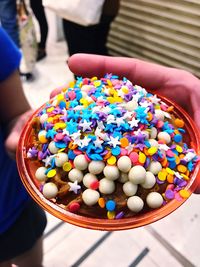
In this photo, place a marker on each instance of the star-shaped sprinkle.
(189, 156)
(114, 141)
(85, 142)
(74, 186)
(85, 125)
(48, 160)
(119, 121)
(110, 119)
(154, 99)
(134, 122)
(177, 174)
(98, 143)
(100, 125)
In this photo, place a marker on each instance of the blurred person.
(9, 21)
(39, 12)
(91, 39)
(22, 221)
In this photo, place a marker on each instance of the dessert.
(108, 149)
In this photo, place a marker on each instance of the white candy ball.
(124, 164)
(164, 136)
(43, 118)
(96, 166)
(50, 190)
(130, 189)
(40, 174)
(154, 200)
(137, 174)
(131, 105)
(52, 147)
(106, 186)
(90, 197)
(135, 203)
(80, 162)
(150, 180)
(155, 167)
(123, 177)
(153, 133)
(60, 159)
(111, 172)
(153, 143)
(159, 114)
(88, 179)
(74, 175)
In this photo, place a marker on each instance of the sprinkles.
(109, 149)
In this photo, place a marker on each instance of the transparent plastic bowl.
(27, 171)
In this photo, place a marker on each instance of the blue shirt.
(13, 196)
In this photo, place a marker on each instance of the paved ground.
(173, 241)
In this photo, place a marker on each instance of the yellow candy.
(112, 160)
(50, 109)
(185, 177)
(125, 90)
(109, 82)
(67, 166)
(101, 202)
(177, 160)
(111, 215)
(71, 84)
(84, 102)
(51, 173)
(142, 157)
(181, 168)
(184, 193)
(152, 150)
(97, 83)
(111, 100)
(60, 97)
(170, 171)
(42, 139)
(162, 176)
(60, 125)
(50, 119)
(179, 149)
(94, 78)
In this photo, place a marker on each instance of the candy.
(111, 172)
(75, 174)
(149, 181)
(106, 186)
(90, 197)
(113, 146)
(129, 188)
(80, 162)
(135, 203)
(124, 164)
(88, 179)
(40, 174)
(137, 174)
(60, 159)
(96, 167)
(50, 190)
(154, 200)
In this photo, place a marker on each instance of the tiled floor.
(173, 241)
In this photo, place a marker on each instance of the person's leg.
(39, 13)
(8, 18)
(31, 258)
(101, 34)
(80, 39)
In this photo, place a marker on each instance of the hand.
(14, 134)
(178, 85)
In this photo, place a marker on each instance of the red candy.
(74, 207)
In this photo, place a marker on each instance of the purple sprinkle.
(119, 215)
(159, 181)
(169, 194)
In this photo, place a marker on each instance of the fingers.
(58, 90)
(143, 73)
